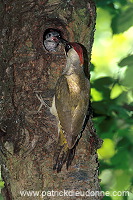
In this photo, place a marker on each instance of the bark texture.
(28, 137)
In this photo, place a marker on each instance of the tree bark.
(28, 137)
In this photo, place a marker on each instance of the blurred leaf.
(109, 4)
(106, 176)
(92, 67)
(128, 79)
(116, 91)
(107, 127)
(121, 99)
(130, 196)
(129, 106)
(119, 111)
(103, 86)
(111, 97)
(123, 21)
(103, 2)
(103, 82)
(126, 61)
(123, 132)
(1, 198)
(107, 150)
(122, 179)
(105, 166)
(130, 133)
(118, 162)
(96, 96)
(107, 198)
(100, 107)
(123, 143)
(1, 184)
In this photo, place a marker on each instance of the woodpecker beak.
(58, 39)
(63, 41)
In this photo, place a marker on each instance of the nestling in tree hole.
(51, 39)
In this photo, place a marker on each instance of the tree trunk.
(28, 137)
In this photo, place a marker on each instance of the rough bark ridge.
(28, 137)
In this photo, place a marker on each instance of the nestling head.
(51, 39)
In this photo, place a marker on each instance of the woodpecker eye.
(67, 47)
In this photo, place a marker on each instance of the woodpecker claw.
(43, 103)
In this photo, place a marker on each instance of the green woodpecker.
(70, 105)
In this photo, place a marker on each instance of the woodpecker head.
(52, 38)
(74, 53)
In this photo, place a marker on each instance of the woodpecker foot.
(43, 103)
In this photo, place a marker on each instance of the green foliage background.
(112, 95)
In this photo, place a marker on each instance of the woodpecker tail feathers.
(62, 153)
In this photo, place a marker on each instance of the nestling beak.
(55, 39)
(58, 39)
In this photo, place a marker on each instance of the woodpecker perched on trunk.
(70, 105)
(51, 39)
